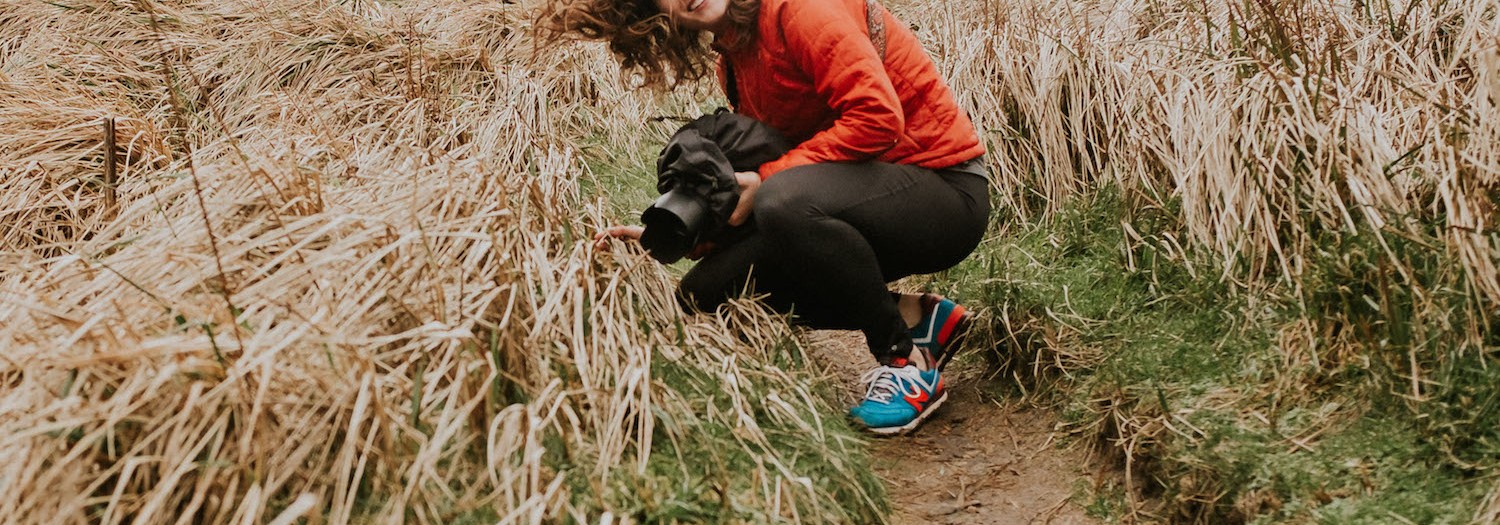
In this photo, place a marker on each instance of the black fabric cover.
(703, 155)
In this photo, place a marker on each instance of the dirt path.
(978, 460)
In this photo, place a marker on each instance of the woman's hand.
(624, 233)
(749, 182)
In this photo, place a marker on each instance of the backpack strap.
(874, 24)
(731, 88)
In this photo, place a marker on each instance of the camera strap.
(874, 24)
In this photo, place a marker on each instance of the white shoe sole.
(897, 431)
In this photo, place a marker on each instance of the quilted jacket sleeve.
(829, 43)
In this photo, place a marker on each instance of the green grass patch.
(624, 175)
(1237, 404)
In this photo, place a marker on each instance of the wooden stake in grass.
(109, 163)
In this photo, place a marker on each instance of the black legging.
(828, 237)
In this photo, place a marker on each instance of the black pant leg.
(841, 231)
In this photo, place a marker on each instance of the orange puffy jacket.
(815, 76)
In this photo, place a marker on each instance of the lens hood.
(672, 225)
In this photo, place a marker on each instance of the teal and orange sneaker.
(943, 324)
(899, 397)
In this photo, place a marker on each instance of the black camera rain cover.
(703, 155)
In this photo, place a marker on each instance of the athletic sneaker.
(899, 397)
(943, 323)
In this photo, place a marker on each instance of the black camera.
(695, 175)
(674, 223)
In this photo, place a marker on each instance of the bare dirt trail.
(978, 460)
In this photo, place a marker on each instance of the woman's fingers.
(631, 233)
(742, 210)
(749, 182)
(624, 233)
(700, 250)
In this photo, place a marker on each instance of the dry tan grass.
(397, 257)
(1268, 125)
(1489, 510)
(348, 276)
(1274, 134)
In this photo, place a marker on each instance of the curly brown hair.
(642, 37)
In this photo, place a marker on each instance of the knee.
(778, 202)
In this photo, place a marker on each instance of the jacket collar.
(725, 41)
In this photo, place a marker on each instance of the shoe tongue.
(900, 362)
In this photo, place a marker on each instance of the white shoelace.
(884, 385)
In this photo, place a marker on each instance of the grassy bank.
(1197, 389)
(1248, 246)
(340, 269)
(336, 267)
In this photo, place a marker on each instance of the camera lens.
(673, 223)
